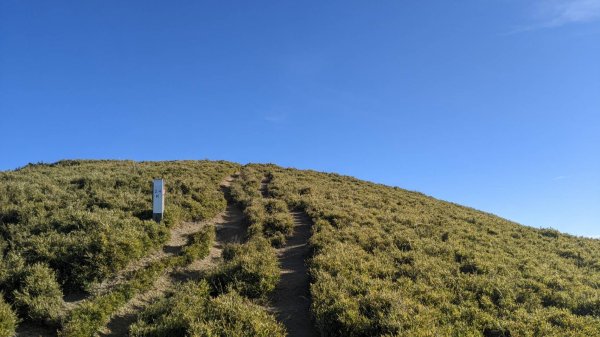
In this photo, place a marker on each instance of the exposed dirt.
(291, 299)
(119, 324)
(34, 330)
(264, 187)
(229, 228)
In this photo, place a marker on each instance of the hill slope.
(385, 261)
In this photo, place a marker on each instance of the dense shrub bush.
(39, 296)
(246, 189)
(250, 269)
(86, 220)
(199, 245)
(190, 311)
(90, 316)
(8, 319)
(93, 314)
(266, 217)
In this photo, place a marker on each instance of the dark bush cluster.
(38, 296)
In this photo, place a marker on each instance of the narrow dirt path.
(291, 298)
(229, 228)
(264, 187)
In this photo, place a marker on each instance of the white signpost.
(158, 200)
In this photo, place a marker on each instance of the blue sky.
(492, 104)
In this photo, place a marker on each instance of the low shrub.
(390, 262)
(199, 245)
(279, 223)
(250, 269)
(247, 188)
(39, 296)
(11, 272)
(190, 311)
(8, 319)
(87, 219)
(92, 315)
(255, 214)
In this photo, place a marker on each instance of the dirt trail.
(229, 228)
(291, 298)
(264, 187)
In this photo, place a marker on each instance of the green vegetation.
(266, 217)
(198, 247)
(386, 262)
(88, 219)
(67, 225)
(249, 272)
(8, 319)
(191, 311)
(39, 295)
(397, 263)
(250, 269)
(93, 314)
(32, 289)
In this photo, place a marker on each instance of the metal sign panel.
(158, 197)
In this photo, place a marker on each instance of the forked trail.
(229, 227)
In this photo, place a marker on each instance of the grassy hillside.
(386, 261)
(393, 262)
(68, 225)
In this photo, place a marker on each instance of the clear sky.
(493, 104)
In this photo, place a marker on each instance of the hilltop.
(260, 250)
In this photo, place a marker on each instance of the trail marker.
(158, 200)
